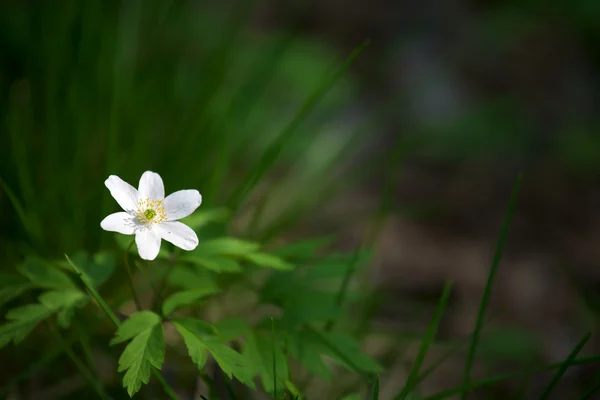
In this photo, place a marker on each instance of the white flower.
(150, 215)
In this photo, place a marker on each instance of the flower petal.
(148, 243)
(151, 186)
(120, 222)
(179, 234)
(181, 204)
(126, 195)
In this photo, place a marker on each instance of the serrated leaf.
(191, 330)
(305, 249)
(269, 261)
(10, 292)
(258, 352)
(307, 351)
(230, 361)
(65, 302)
(184, 298)
(226, 246)
(232, 328)
(44, 275)
(214, 263)
(55, 299)
(186, 277)
(201, 218)
(146, 350)
(137, 323)
(343, 344)
(22, 320)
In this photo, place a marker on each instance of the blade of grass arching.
(375, 394)
(453, 392)
(413, 376)
(240, 107)
(564, 366)
(488, 287)
(326, 189)
(271, 154)
(83, 370)
(196, 122)
(115, 320)
(30, 227)
(18, 116)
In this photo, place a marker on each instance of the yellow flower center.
(151, 211)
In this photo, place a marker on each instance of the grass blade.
(488, 287)
(413, 377)
(563, 367)
(272, 152)
(375, 395)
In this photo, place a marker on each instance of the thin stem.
(130, 276)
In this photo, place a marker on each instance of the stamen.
(151, 211)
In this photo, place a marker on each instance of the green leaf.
(344, 349)
(305, 249)
(10, 292)
(192, 330)
(226, 246)
(201, 218)
(213, 263)
(65, 302)
(232, 328)
(186, 277)
(307, 351)
(310, 305)
(293, 389)
(269, 261)
(259, 352)
(185, 297)
(146, 350)
(137, 323)
(195, 334)
(22, 321)
(43, 275)
(100, 268)
(57, 299)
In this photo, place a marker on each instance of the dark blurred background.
(453, 100)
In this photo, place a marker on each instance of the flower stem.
(130, 276)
